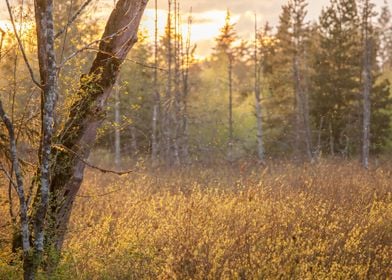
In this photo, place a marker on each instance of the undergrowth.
(325, 221)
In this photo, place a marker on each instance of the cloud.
(209, 15)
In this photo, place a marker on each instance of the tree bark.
(230, 155)
(134, 141)
(19, 187)
(303, 131)
(88, 113)
(177, 80)
(259, 116)
(48, 73)
(167, 109)
(367, 85)
(157, 98)
(185, 89)
(117, 125)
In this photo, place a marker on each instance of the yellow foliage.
(325, 221)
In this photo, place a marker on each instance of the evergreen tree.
(279, 107)
(300, 33)
(335, 96)
(289, 81)
(385, 35)
(225, 50)
(337, 99)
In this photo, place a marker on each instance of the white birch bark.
(156, 106)
(117, 125)
(257, 90)
(230, 155)
(367, 83)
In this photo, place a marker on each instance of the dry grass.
(326, 221)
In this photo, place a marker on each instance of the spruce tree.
(226, 52)
(280, 104)
(336, 81)
(385, 37)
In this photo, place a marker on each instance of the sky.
(209, 16)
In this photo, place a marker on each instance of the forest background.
(250, 131)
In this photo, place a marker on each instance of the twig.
(129, 59)
(8, 175)
(87, 46)
(66, 33)
(61, 147)
(19, 184)
(21, 46)
(72, 19)
(99, 195)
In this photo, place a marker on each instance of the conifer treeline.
(311, 78)
(299, 90)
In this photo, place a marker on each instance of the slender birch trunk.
(134, 141)
(303, 134)
(308, 131)
(48, 72)
(367, 85)
(117, 125)
(28, 266)
(331, 139)
(230, 80)
(167, 116)
(297, 106)
(156, 107)
(185, 80)
(177, 94)
(303, 137)
(259, 116)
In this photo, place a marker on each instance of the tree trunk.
(185, 82)
(88, 113)
(177, 94)
(28, 265)
(230, 155)
(259, 116)
(331, 139)
(48, 73)
(297, 106)
(367, 85)
(117, 125)
(134, 141)
(303, 134)
(167, 109)
(307, 126)
(155, 110)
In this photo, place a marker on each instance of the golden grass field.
(331, 220)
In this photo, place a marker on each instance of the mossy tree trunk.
(62, 154)
(75, 139)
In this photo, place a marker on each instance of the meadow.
(330, 220)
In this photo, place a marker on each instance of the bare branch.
(19, 180)
(8, 175)
(100, 195)
(65, 149)
(72, 19)
(103, 39)
(21, 46)
(129, 59)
